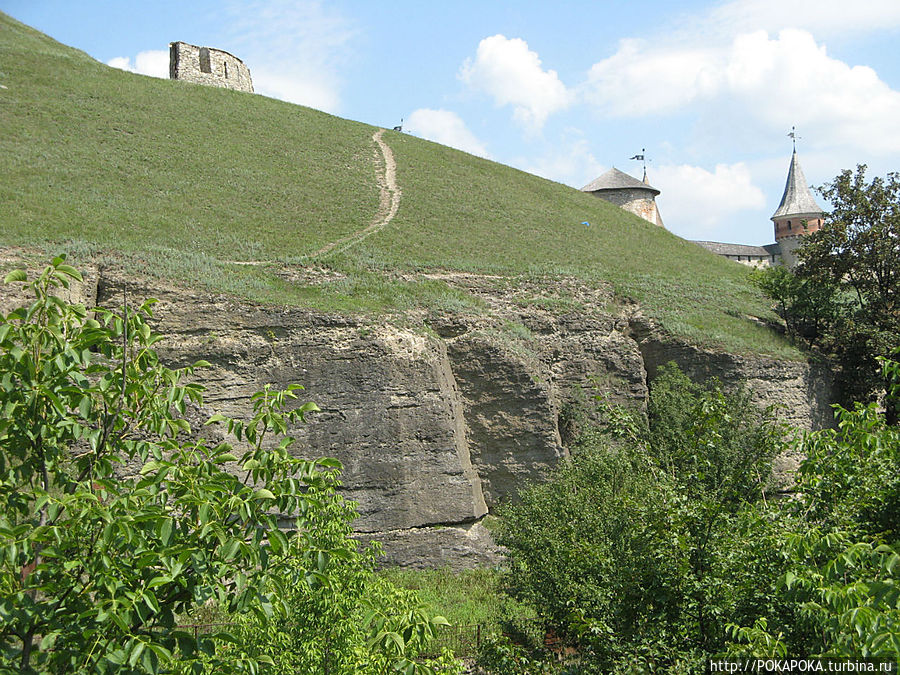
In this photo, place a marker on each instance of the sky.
(563, 89)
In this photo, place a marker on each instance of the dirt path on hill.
(388, 202)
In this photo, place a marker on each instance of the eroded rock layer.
(440, 418)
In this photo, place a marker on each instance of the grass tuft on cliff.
(184, 182)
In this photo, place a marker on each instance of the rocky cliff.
(438, 418)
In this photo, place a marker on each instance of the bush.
(641, 550)
(842, 553)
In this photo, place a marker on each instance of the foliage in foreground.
(337, 616)
(844, 554)
(117, 519)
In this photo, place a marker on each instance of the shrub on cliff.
(843, 555)
(642, 550)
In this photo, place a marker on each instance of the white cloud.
(757, 79)
(638, 80)
(700, 200)
(154, 62)
(821, 17)
(296, 87)
(446, 127)
(568, 162)
(294, 48)
(513, 75)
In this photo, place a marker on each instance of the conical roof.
(617, 180)
(797, 199)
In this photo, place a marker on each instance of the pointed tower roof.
(618, 180)
(797, 199)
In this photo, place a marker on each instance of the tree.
(810, 308)
(844, 297)
(859, 246)
(97, 562)
(118, 518)
(337, 616)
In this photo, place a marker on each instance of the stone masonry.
(205, 65)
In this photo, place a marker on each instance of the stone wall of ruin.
(205, 65)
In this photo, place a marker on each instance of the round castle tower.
(797, 215)
(631, 194)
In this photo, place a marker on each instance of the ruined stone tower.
(627, 192)
(797, 215)
(205, 65)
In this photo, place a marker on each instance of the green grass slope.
(181, 180)
(125, 161)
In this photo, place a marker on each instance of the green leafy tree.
(859, 246)
(810, 308)
(114, 520)
(118, 519)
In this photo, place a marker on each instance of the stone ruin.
(205, 65)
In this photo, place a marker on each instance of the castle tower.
(631, 194)
(798, 214)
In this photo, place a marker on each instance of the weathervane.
(641, 158)
(794, 137)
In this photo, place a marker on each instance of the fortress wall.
(205, 65)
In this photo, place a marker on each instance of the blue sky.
(563, 89)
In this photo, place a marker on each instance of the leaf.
(136, 654)
(48, 641)
(84, 407)
(152, 465)
(165, 531)
(70, 271)
(150, 661)
(230, 549)
(263, 493)
(277, 540)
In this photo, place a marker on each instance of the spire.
(797, 199)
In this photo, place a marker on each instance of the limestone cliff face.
(437, 423)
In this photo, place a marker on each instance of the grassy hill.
(183, 181)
